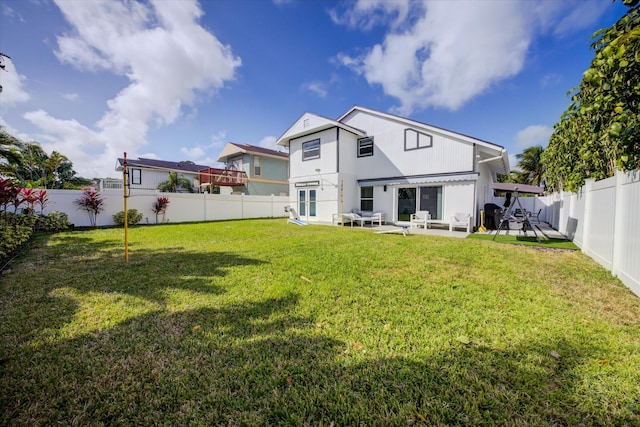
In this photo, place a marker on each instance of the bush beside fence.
(183, 207)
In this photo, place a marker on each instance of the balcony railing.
(223, 177)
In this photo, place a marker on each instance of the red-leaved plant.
(160, 207)
(92, 202)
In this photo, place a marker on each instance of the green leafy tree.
(174, 183)
(600, 131)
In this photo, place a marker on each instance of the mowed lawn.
(260, 322)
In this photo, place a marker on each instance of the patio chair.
(419, 219)
(536, 215)
(460, 220)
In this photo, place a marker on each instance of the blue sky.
(178, 79)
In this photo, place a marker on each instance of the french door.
(307, 204)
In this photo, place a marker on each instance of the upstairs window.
(365, 147)
(414, 140)
(136, 176)
(257, 166)
(311, 150)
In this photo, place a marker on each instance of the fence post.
(587, 189)
(618, 225)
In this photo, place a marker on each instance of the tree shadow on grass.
(45, 293)
(262, 363)
(88, 266)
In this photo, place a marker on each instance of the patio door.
(406, 203)
(431, 200)
(307, 204)
(412, 199)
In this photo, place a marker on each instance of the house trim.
(325, 124)
(420, 179)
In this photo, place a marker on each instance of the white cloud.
(367, 14)
(446, 53)
(13, 131)
(11, 14)
(13, 91)
(550, 79)
(533, 135)
(66, 137)
(149, 156)
(168, 57)
(70, 96)
(269, 142)
(562, 18)
(317, 88)
(193, 153)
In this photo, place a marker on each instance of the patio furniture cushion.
(460, 220)
(420, 219)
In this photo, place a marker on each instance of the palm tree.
(10, 150)
(175, 182)
(530, 164)
(59, 169)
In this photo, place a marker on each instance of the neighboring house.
(373, 161)
(146, 174)
(265, 170)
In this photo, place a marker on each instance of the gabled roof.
(310, 123)
(488, 151)
(233, 149)
(161, 164)
(416, 123)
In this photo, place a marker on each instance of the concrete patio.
(543, 229)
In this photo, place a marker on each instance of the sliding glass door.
(406, 203)
(412, 199)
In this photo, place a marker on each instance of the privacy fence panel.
(183, 207)
(603, 219)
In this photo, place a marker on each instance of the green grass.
(550, 243)
(261, 322)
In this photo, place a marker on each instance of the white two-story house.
(373, 161)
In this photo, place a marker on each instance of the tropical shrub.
(12, 237)
(53, 222)
(160, 207)
(8, 193)
(133, 217)
(92, 202)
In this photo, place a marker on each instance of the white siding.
(446, 155)
(327, 163)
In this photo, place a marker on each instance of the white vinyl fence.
(602, 219)
(183, 207)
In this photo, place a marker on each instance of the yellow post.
(482, 228)
(125, 174)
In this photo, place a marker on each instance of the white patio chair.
(419, 219)
(460, 220)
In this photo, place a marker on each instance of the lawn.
(543, 242)
(261, 322)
